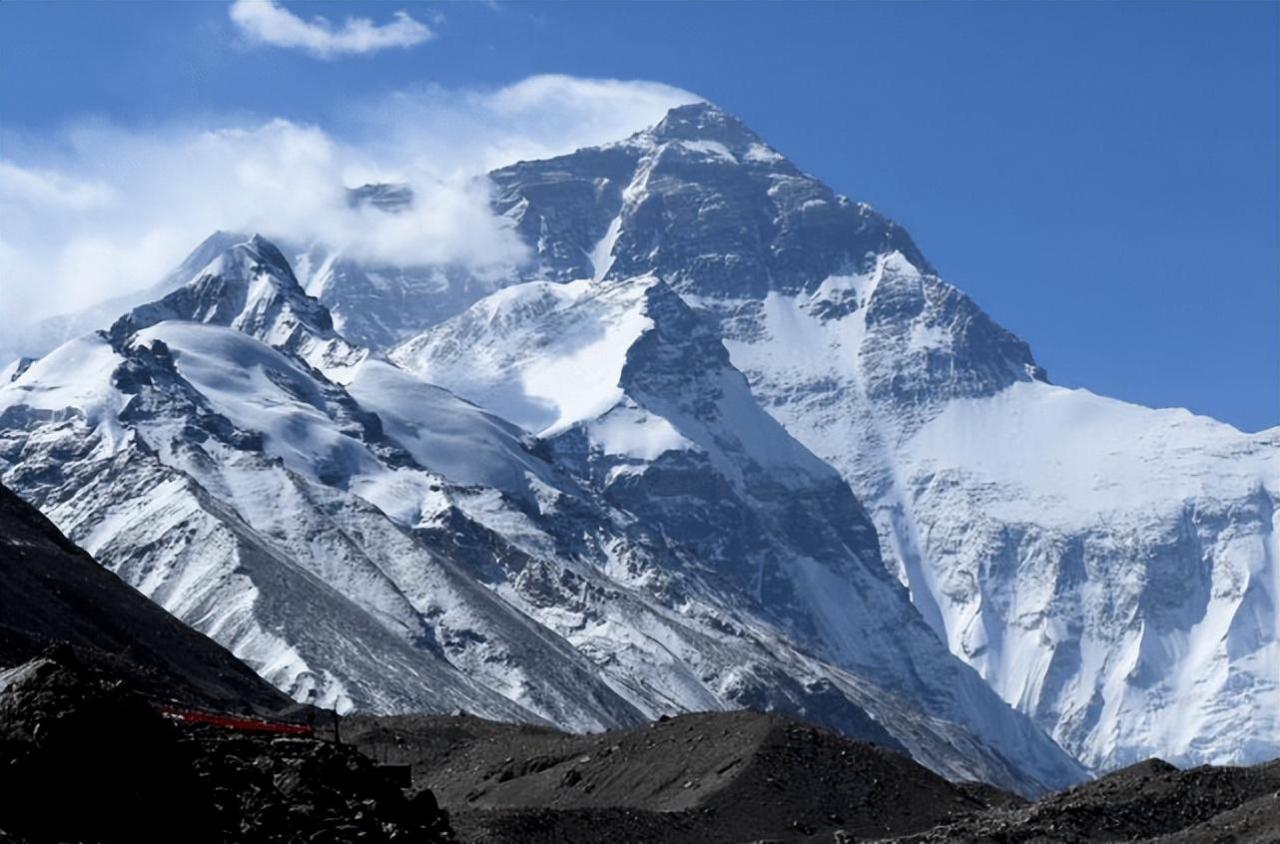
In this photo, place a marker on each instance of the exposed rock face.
(698, 200)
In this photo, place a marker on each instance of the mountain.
(249, 287)
(726, 440)
(1109, 569)
(219, 476)
(369, 541)
(40, 338)
(635, 394)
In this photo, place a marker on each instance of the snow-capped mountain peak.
(704, 123)
(250, 287)
(854, 343)
(727, 440)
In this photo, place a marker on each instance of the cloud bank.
(100, 210)
(267, 22)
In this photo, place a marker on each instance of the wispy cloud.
(267, 22)
(49, 188)
(99, 209)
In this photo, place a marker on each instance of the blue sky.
(1101, 177)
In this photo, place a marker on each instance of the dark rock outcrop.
(84, 758)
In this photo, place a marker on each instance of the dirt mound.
(83, 758)
(706, 777)
(741, 776)
(1254, 822)
(1151, 800)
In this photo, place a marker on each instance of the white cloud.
(266, 22)
(101, 210)
(42, 187)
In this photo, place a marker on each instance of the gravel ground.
(741, 777)
(736, 776)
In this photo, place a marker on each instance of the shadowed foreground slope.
(55, 592)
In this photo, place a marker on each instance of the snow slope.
(1108, 568)
(663, 426)
(255, 536)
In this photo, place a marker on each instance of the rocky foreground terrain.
(738, 777)
(84, 758)
(68, 727)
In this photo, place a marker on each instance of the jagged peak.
(247, 259)
(268, 254)
(704, 121)
(227, 292)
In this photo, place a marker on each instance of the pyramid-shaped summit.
(700, 200)
(705, 122)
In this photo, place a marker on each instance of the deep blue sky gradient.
(1101, 177)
